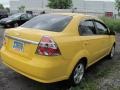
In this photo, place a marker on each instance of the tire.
(15, 25)
(77, 74)
(112, 53)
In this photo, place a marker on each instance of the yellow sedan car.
(57, 46)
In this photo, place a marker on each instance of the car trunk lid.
(24, 41)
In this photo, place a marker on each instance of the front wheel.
(77, 74)
(112, 53)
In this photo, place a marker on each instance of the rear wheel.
(77, 74)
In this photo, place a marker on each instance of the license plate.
(18, 46)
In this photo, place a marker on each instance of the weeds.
(113, 24)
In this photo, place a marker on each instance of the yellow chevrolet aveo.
(55, 47)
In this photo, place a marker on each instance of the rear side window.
(49, 22)
(101, 28)
(87, 28)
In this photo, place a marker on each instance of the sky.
(6, 2)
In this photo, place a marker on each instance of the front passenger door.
(104, 38)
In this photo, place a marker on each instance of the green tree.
(117, 5)
(1, 6)
(21, 8)
(7, 9)
(60, 4)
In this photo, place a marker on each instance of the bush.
(113, 24)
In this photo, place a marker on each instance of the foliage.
(60, 4)
(1, 6)
(117, 5)
(8, 10)
(113, 24)
(21, 8)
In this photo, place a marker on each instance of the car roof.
(70, 14)
(81, 15)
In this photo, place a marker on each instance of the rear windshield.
(48, 22)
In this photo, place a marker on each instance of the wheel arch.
(82, 56)
(83, 59)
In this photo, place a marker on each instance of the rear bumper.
(43, 71)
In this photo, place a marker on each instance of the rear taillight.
(47, 47)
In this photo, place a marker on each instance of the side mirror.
(112, 32)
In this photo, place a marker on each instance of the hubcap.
(78, 74)
(112, 52)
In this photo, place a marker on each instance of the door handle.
(86, 43)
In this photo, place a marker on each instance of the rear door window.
(87, 28)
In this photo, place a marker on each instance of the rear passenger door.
(91, 42)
